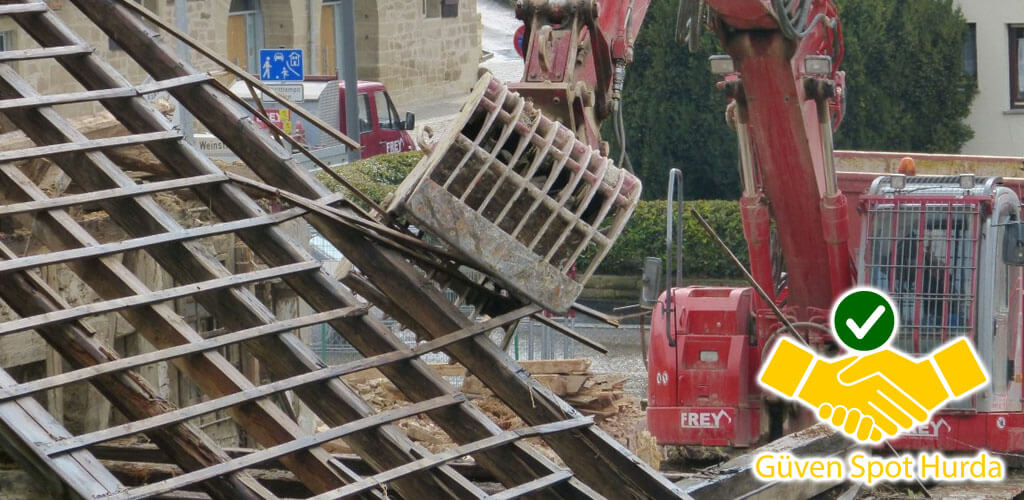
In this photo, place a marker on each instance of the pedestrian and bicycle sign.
(281, 65)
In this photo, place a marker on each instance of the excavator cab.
(938, 246)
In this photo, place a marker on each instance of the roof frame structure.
(597, 465)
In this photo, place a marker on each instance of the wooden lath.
(599, 466)
(211, 372)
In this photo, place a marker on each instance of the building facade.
(994, 53)
(420, 49)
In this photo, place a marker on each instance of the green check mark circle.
(864, 319)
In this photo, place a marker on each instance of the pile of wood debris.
(599, 394)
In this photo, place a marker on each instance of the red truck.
(381, 129)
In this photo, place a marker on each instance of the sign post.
(281, 65)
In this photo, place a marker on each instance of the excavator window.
(924, 255)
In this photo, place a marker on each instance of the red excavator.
(947, 249)
(521, 187)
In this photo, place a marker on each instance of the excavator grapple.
(519, 195)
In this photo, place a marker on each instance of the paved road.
(499, 24)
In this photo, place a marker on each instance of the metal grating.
(924, 252)
(520, 196)
(226, 306)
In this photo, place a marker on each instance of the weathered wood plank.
(237, 308)
(25, 8)
(534, 486)
(271, 245)
(85, 374)
(461, 451)
(114, 305)
(44, 52)
(735, 478)
(98, 95)
(24, 423)
(195, 233)
(281, 450)
(82, 146)
(106, 194)
(223, 402)
(144, 453)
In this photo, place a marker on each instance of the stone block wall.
(419, 59)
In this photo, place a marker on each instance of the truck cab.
(381, 128)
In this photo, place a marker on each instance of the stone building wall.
(418, 58)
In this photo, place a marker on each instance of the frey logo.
(929, 429)
(704, 419)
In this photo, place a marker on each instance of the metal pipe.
(746, 153)
(313, 32)
(184, 117)
(673, 234)
(750, 279)
(827, 147)
(345, 16)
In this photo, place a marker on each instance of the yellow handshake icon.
(874, 396)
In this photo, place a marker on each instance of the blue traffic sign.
(281, 65)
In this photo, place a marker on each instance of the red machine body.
(786, 91)
(575, 59)
(709, 369)
(932, 246)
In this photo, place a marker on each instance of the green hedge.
(644, 236)
(378, 176)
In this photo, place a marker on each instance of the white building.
(995, 53)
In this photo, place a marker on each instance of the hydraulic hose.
(797, 26)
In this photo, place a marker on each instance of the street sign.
(281, 65)
(291, 91)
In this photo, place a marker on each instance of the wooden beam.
(461, 451)
(85, 374)
(25, 8)
(288, 448)
(517, 464)
(44, 52)
(539, 484)
(735, 479)
(195, 233)
(106, 194)
(114, 305)
(23, 423)
(144, 453)
(98, 95)
(237, 308)
(86, 145)
(276, 387)
(27, 294)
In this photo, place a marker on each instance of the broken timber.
(597, 465)
(735, 479)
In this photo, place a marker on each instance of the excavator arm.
(788, 91)
(576, 53)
